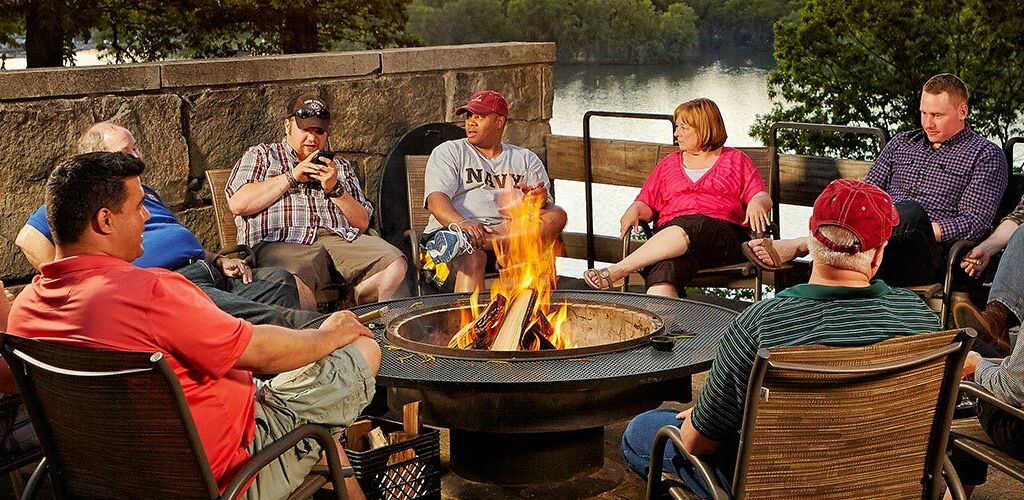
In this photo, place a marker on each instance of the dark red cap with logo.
(484, 103)
(859, 207)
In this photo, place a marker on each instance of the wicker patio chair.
(327, 299)
(115, 424)
(968, 435)
(842, 422)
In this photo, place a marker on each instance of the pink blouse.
(722, 193)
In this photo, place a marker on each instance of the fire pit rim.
(401, 368)
(392, 327)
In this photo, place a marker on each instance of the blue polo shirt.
(165, 242)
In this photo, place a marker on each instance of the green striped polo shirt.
(801, 315)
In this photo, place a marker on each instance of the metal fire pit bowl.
(541, 420)
(594, 327)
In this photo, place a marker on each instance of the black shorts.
(713, 243)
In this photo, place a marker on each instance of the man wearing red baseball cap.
(464, 183)
(840, 305)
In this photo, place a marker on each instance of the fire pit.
(594, 327)
(525, 417)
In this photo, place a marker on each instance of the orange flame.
(525, 262)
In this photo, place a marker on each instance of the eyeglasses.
(310, 113)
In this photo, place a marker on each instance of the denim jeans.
(913, 257)
(271, 298)
(1007, 434)
(1008, 284)
(638, 439)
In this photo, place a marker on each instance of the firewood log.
(511, 332)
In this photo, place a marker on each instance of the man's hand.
(938, 231)
(534, 190)
(685, 414)
(476, 232)
(346, 326)
(977, 259)
(307, 171)
(970, 364)
(235, 268)
(326, 174)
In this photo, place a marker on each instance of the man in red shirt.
(91, 295)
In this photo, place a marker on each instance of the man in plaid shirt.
(945, 180)
(302, 210)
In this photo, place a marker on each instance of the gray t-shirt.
(473, 181)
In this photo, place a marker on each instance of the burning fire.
(520, 314)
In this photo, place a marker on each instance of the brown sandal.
(599, 279)
(777, 263)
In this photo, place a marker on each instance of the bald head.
(109, 137)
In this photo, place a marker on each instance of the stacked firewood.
(507, 325)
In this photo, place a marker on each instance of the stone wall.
(189, 116)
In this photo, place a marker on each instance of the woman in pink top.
(704, 200)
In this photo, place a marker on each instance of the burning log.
(519, 312)
(479, 334)
(537, 335)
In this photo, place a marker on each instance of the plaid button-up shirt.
(960, 183)
(302, 211)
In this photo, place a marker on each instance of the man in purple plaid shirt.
(945, 180)
(302, 210)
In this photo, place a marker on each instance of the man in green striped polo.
(839, 306)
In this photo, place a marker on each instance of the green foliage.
(133, 31)
(863, 62)
(614, 31)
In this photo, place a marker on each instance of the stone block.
(528, 134)
(223, 124)
(15, 207)
(203, 223)
(156, 123)
(522, 86)
(34, 83)
(466, 56)
(369, 116)
(244, 70)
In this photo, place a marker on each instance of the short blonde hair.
(702, 115)
(950, 84)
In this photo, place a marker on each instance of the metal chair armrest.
(414, 245)
(255, 464)
(975, 389)
(35, 481)
(661, 439)
(956, 489)
(246, 253)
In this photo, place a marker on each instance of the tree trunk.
(44, 33)
(299, 34)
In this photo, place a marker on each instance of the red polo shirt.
(105, 302)
(722, 193)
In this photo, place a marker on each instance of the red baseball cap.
(862, 208)
(484, 103)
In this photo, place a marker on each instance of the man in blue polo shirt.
(261, 296)
(840, 306)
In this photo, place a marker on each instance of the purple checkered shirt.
(302, 211)
(959, 184)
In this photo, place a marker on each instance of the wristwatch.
(336, 192)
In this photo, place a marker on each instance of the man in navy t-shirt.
(261, 295)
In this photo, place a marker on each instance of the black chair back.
(112, 424)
